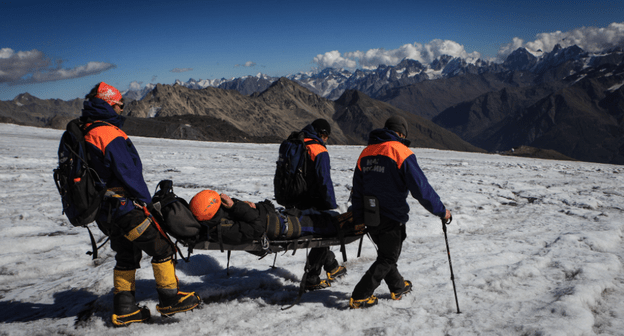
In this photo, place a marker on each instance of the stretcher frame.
(279, 245)
(264, 246)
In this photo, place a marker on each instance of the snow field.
(536, 249)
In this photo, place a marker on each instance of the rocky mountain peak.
(285, 86)
(25, 98)
(350, 97)
(440, 62)
(410, 63)
(520, 59)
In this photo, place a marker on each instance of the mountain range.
(567, 100)
(213, 114)
(284, 107)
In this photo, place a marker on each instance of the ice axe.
(448, 251)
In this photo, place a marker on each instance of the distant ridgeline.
(567, 101)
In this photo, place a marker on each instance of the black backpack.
(289, 181)
(174, 214)
(78, 184)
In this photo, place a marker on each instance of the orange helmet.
(205, 204)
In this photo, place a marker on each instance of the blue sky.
(60, 49)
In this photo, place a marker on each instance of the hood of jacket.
(383, 135)
(310, 132)
(97, 109)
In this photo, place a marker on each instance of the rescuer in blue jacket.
(320, 186)
(386, 172)
(123, 213)
(320, 197)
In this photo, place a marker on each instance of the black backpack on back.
(78, 184)
(289, 182)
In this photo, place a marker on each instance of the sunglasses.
(121, 105)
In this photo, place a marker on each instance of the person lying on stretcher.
(233, 221)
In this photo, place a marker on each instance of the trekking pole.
(448, 251)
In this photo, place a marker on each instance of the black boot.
(171, 300)
(406, 289)
(126, 310)
(336, 273)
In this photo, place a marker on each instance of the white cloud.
(135, 86)
(588, 38)
(247, 64)
(180, 70)
(333, 59)
(15, 65)
(33, 66)
(91, 68)
(372, 58)
(507, 49)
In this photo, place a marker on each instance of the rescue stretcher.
(265, 246)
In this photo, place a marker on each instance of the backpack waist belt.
(116, 192)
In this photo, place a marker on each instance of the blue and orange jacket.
(387, 169)
(320, 186)
(114, 157)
